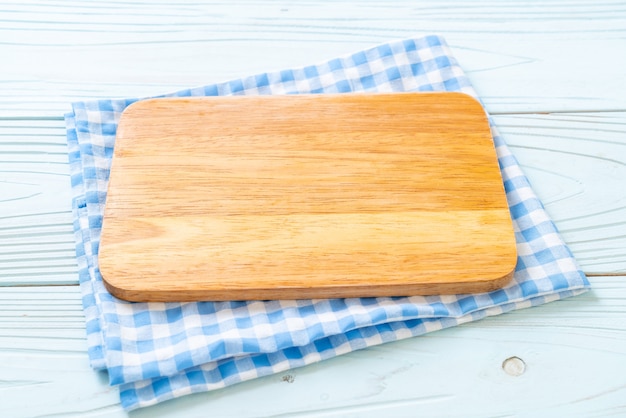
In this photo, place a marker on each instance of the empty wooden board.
(305, 196)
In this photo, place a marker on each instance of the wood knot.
(514, 366)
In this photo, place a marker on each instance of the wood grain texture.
(577, 165)
(523, 57)
(142, 47)
(44, 369)
(571, 159)
(305, 196)
(36, 239)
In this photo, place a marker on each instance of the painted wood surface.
(551, 72)
(523, 56)
(572, 351)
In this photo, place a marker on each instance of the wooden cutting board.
(305, 196)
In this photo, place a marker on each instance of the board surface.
(305, 196)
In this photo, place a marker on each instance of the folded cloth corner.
(159, 351)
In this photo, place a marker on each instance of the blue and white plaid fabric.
(158, 351)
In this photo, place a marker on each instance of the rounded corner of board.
(501, 281)
(138, 109)
(115, 290)
(106, 272)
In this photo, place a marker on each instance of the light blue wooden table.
(552, 73)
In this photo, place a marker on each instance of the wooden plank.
(558, 56)
(521, 56)
(446, 373)
(43, 357)
(36, 239)
(571, 159)
(305, 196)
(577, 165)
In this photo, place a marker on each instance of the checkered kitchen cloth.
(158, 351)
